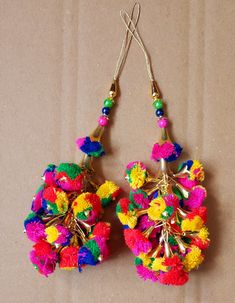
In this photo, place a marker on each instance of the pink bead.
(162, 122)
(103, 121)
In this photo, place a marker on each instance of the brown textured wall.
(56, 63)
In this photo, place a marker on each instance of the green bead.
(108, 103)
(158, 104)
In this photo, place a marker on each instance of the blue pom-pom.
(32, 218)
(176, 154)
(92, 148)
(85, 257)
(188, 163)
(50, 168)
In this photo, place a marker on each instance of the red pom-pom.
(124, 204)
(173, 261)
(42, 248)
(49, 193)
(174, 277)
(102, 229)
(116, 193)
(95, 201)
(69, 257)
(199, 211)
(200, 243)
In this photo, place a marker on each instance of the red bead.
(103, 121)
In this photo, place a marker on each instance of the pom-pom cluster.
(65, 221)
(164, 221)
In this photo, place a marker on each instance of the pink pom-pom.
(80, 141)
(171, 200)
(136, 241)
(162, 122)
(162, 151)
(144, 223)
(187, 183)
(35, 231)
(104, 250)
(103, 121)
(196, 197)
(132, 164)
(146, 273)
(64, 235)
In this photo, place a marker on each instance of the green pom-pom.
(94, 248)
(30, 216)
(118, 208)
(72, 170)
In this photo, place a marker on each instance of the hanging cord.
(133, 21)
(131, 27)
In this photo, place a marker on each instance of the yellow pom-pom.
(128, 218)
(62, 201)
(197, 171)
(203, 233)
(81, 203)
(158, 264)
(137, 176)
(193, 259)
(145, 259)
(52, 234)
(192, 225)
(107, 189)
(157, 206)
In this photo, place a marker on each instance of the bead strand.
(158, 106)
(108, 104)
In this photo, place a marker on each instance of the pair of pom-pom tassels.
(64, 222)
(166, 232)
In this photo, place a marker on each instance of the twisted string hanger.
(133, 21)
(131, 27)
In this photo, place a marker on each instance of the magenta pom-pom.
(145, 273)
(162, 151)
(196, 197)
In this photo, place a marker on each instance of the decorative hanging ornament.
(164, 218)
(65, 221)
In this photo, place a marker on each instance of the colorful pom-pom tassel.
(164, 220)
(64, 222)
